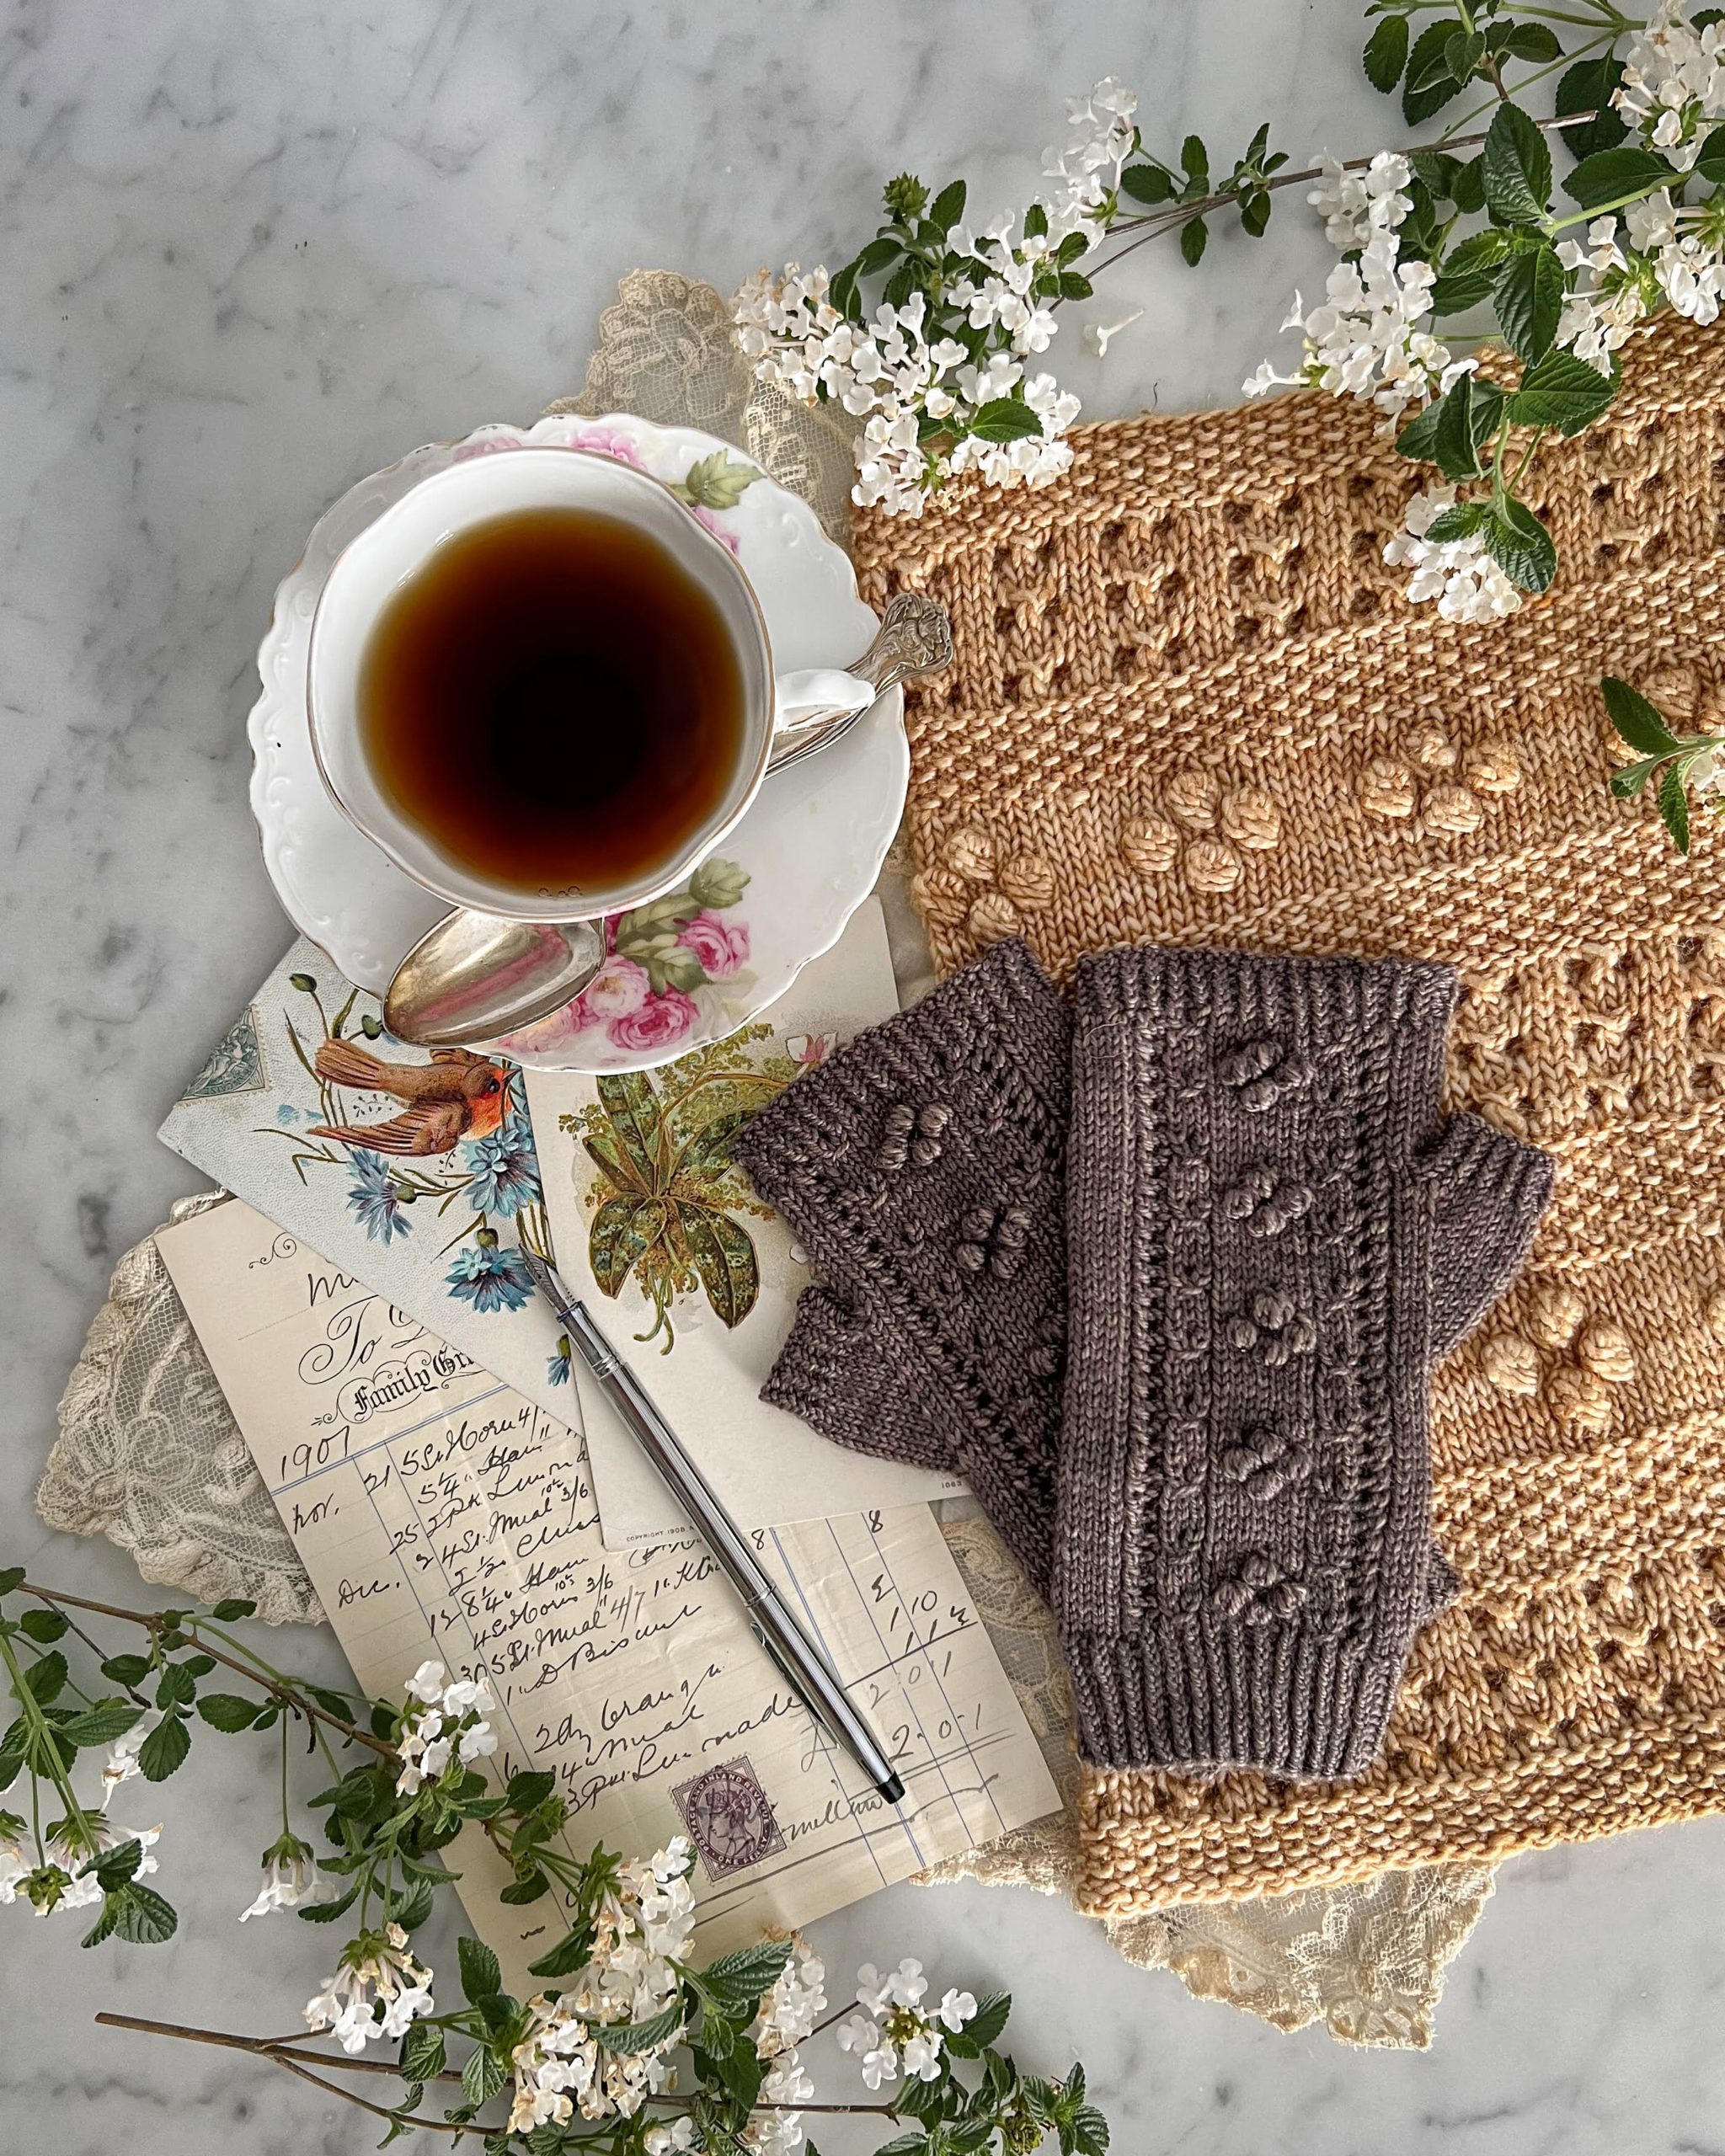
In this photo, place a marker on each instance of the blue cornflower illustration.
(556, 1370)
(374, 1198)
(490, 1277)
(505, 1169)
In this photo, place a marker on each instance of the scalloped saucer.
(790, 876)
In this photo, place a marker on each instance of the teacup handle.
(813, 707)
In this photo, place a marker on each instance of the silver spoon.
(475, 977)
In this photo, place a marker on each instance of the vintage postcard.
(419, 1175)
(440, 1512)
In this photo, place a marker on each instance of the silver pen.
(802, 1664)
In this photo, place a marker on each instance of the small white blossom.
(789, 2012)
(671, 2138)
(122, 1764)
(956, 2008)
(1355, 202)
(922, 2055)
(426, 1683)
(291, 1881)
(13, 1871)
(876, 2058)
(1099, 335)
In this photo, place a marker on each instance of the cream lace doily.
(149, 1455)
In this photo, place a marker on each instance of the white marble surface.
(252, 252)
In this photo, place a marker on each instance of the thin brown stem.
(285, 1695)
(360, 2103)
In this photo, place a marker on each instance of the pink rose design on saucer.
(606, 442)
(710, 518)
(487, 446)
(657, 1023)
(619, 988)
(720, 949)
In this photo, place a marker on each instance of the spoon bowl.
(476, 975)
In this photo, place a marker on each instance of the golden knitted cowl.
(1191, 704)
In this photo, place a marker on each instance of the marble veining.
(252, 253)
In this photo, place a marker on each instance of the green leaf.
(328, 1912)
(1587, 87)
(200, 1665)
(1194, 237)
(629, 2037)
(102, 1725)
(114, 1866)
(11, 1580)
(46, 1679)
(948, 206)
(875, 256)
(178, 1688)
(1453, 447)
(1036, 222)
(740, 1979)
(1074, 287)
(1469, 192)
(231, 1611)
(631, 1105)
(1711, 163)
(1521, 545)
(520, 1892)
(529, 1787)
(424, 2053)
(718, 481)
(410, 1908)
(45, 1626)
(1456, 295)
(126, 1668)
(143, 1916)
(482, 2077)
(1194, 158)
(13, 1747)
(164, 1749)
(1518, 167)
(1385, 53)
(1461, 522)
(724, 1258)
(1463, 50)
(228, 1711)
(1609, 175)
(1627, 784)
(1641, 724)
(1083, 2132)
(984, 2026)
(906, 2144)
(1465, 277)
(623, 1231)
(571, 1952)
(104, 1925)
(481, 1976)
(1146, 183)
(1674, 806)
(1530, 41)
(1420, 97)
(1005, 418)
(1562, 391)
(1436, 171)
(1529, 292)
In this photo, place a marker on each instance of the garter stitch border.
(1190, 705)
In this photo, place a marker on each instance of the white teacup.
(393, 549)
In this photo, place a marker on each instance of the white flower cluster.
(1368, 339)
(897, 369)
(1459, 574)
(1607, 299)
(447, 1726)
(62, 1883)
(375, 1996)
(1674, 81)
(786, 2019)
(641, 1930)
(892, 2036)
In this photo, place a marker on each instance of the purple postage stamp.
(729, 1818)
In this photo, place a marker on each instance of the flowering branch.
(588, 2062)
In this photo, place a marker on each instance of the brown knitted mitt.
(923, 1168)
(1269, 1244)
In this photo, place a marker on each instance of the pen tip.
(893, 1789)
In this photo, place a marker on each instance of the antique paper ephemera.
(440, 1513)
(290, 1112)
(634, 1184)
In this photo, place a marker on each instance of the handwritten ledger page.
(440, 1512)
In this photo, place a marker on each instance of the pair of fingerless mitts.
(1163, 1278)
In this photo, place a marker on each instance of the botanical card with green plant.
(692, 1276)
